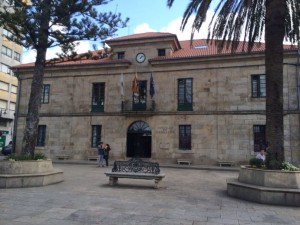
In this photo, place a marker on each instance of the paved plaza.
(186, 196)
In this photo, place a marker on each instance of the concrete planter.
(266, 186)
(23, 167)
(270, 178)
(32, 173)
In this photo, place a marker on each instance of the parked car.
(7, 149)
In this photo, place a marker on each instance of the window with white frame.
(6, 33)
(17, 56)
(12, 106)
(14, 89)
(6, 51)
(5, 68)
(4, 86)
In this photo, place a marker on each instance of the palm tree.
(276, 19)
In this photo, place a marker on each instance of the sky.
(145, 16)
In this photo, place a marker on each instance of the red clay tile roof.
(147, 35)
(199, 48)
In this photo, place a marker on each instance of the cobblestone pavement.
(186, 196)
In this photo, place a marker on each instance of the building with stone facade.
(160, 98)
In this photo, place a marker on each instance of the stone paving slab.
(186, 197)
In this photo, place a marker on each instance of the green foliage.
(234, 17)
(254, 162)
(287, 166)
(274, 164)
(42, 24)
(59, 23)
(37, 156)
(19, 157)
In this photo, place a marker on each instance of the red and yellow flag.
(135, 87)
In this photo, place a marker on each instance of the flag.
(122, 85)
(151, 90)
(135, 87)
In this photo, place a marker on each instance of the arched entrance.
(139, 140)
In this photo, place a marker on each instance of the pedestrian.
(100, 154)
(106, 153)
(261, 155)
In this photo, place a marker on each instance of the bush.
(254, 162)
(37, 156)
(289, 167)
(274, 164)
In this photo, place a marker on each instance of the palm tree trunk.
(32, 118)
(274, 34)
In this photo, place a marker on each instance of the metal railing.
(141, 106)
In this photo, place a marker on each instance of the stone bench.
(185, 161)
(92, 157)
(135, 168)
(63, 157)
(226, 163)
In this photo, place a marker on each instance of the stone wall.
(222, 118)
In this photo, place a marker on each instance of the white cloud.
(142, 28)
(174, 27)
(29, 56)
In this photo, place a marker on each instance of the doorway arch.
(139, 139)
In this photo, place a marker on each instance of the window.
(12, 106)
(7, 33)
(4, 86)
(161, 52)
(96, 135)
(3, 104)
(45, 94)
(5, 68)
(185, 95)
(259, 136)
(41, 135)
(185, 137)
(98, 97)
(6, 51)
(17, 56)
(121, 55)
(258, 86)
(14, 89)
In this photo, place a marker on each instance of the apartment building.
(10, 56)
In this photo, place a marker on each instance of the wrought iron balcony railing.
(138, 106)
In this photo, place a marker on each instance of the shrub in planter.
(287, 166)
(254, 162)
(37, 156)
(274, 164)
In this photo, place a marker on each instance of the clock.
(140, 57)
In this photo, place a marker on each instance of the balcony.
(138, 107)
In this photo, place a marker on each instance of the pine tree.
(42, 24)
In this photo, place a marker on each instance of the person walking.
(106, 153)
(100, 154)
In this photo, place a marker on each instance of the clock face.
(140, 57)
